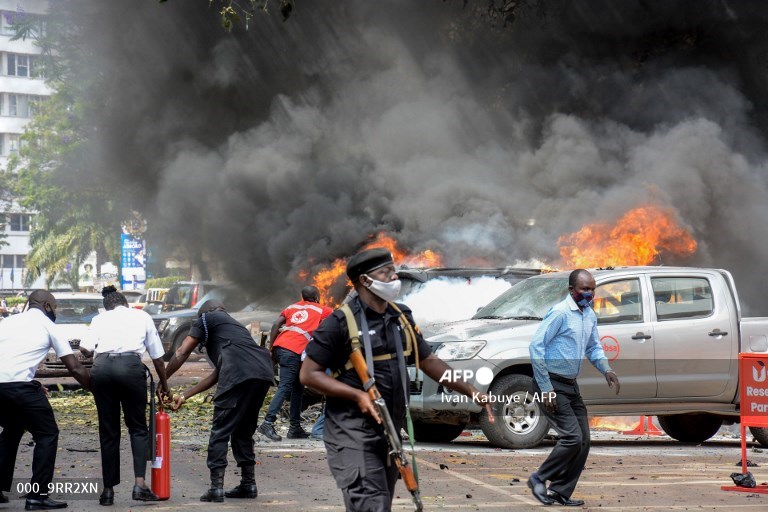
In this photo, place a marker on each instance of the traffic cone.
(642, 430)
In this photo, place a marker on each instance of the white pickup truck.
(672, 335)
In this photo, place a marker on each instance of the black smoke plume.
(286, 145)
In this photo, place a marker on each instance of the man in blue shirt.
(567, 334)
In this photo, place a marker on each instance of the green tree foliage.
(163, 282)
(54, 174)
(233, 12)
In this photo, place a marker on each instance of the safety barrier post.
(753, 393)
(642, 430)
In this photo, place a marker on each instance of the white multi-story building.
(20, 89)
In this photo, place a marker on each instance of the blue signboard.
(133, 264)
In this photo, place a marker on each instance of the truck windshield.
(529, 299)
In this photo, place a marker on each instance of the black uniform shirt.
(233, 352)
(330, 347)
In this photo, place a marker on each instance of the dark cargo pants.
(366, 479)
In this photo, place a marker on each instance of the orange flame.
(619, 423)
(638, 238)
(328, 278)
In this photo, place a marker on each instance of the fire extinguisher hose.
(152, 410)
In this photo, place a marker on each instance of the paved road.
(621, 474)
(624, 473)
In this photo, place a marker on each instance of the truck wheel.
(690, 428)
(761, 435)
(436, 432)
(519, 423)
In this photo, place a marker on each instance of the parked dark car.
(74, 313)
(185, 294)
(174, 326)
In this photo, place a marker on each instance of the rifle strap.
(409, 422)
(411, 437)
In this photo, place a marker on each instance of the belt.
(118, 354)
(561, 379)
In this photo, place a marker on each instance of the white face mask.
(386, 291)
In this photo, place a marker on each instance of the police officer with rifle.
(368, 343)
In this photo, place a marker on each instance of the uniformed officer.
(119, 337)
(357, 450)
(244, 373)
(25, 340)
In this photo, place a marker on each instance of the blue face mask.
(584, 300)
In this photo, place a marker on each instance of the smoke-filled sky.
(290, 143)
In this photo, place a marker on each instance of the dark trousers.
(566, 461)
(120, 382)
(24, 406)
(237, 425)
(366, 479)
(289, 388)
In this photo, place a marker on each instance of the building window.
(7, 260)
(6, 23)
(19, 221)
(18, 105)
(20, 65)
(13, 142)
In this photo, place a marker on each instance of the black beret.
(366, 261)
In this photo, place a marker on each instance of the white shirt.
(25, 340)
(123, 330)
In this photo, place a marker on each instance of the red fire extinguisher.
(161, 466)
(160, 432)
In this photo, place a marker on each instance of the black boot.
(216, 492)
(247, 488)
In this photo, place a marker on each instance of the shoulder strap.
(354, 331)
(411, 342)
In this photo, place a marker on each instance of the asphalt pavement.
(623, 472)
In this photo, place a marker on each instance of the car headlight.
(455, 351)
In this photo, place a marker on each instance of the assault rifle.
(392, 435)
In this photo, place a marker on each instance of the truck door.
(694, 336)
(623, 323)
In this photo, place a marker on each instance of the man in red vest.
(290, 334)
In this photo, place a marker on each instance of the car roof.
(607, 271)
(77, 295)
(425, 274)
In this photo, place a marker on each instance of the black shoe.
(243, 491)
(268, 430)
(3, 498)
(107, 497)
(562, 500)
(298, 433)
(539, 490)
(43, 504)
(215, 495)
(143, 494)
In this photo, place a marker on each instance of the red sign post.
(753, 394)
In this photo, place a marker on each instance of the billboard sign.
(133, 265)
